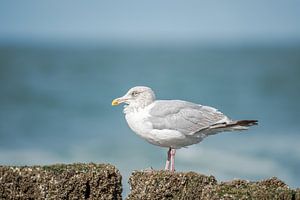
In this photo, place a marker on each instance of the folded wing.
(185, 117)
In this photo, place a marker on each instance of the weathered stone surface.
(74, 181)
(240, 189)
(297, 194)
(166, 185)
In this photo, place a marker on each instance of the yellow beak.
(115, 102)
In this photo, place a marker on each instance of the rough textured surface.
(166, 185)
(297, 195)
(74, 181)
(240, 189)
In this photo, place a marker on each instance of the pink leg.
(167, 167)
(172, 168)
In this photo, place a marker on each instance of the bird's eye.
(134, 93)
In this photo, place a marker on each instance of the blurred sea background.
(61, 66)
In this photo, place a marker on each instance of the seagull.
(173, 124)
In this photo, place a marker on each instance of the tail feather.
(231, 126)
(239, 125)
(246, 122)
(242, 123)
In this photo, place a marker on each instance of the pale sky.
(150, 20)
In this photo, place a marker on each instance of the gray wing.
(186, 117)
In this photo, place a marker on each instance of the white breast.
(137, 121)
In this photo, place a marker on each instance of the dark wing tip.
(247, 122)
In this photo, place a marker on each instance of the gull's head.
(139, 96)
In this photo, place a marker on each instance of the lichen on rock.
(73, 181)
(297, 194)
(166, 185)
(262, 190)
(103, 181)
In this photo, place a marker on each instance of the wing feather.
(186, 117)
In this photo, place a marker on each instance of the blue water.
(56, 106)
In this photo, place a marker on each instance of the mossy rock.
(240, 189)
(167, 185)
(297, 194)
(73, 181)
